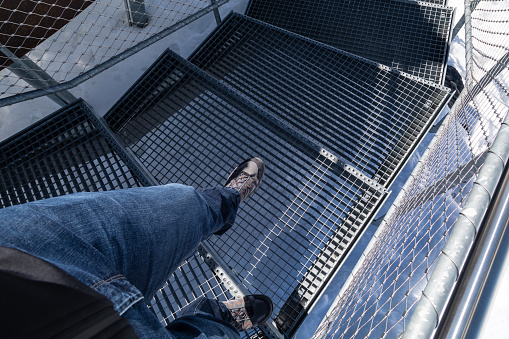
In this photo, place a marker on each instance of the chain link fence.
(49, 46)
(381, 295)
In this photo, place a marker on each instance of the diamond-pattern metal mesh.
(66, 38)
(187, 128)
(66, 152)
(293, 234)
(380, 298)
(409, 36)
(368, 115)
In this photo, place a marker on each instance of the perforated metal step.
(406, 35)
(370, 116)
(66, 152)
(184, 126)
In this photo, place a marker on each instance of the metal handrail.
(464, 302)
(444, 278)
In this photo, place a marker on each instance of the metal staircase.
(334, 129)
(409, 36)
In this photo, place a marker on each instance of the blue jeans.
(126, 243)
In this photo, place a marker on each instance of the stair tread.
(360, 111)
(409, 36)
(196, 130)
(63, 153)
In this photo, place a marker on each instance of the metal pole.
(35, 76)
(216, 13)
(136, 13)
(465, 300)
(431, 306)
(461, 21)
(468, 40)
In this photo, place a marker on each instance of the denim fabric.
(201, 322)
(125, 243)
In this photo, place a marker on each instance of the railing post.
(468, 40)
(136, 13)
(30, 72)
(216, 12)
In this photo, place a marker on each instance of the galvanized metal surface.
(446, 273)
(278, 79)
(381, 295)
(64, 86)
(327, 325)
(459, 315)
(168, 120)
(315, 196)
(468, 39)
(410, 36)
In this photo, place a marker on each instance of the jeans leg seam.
(107, 281)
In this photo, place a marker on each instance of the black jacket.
(39, 300)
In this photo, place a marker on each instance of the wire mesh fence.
(63, 39)
(379, 299)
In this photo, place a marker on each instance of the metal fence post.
(468, 40)
(136, 13)
(35, 76)
(216, 12)
(461, 21)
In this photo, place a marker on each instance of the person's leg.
(233, 316)
(126, 241)
(204, 325)
(142, 234)
(208, 317)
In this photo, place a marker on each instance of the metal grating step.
(410, 36)
(66, 152)
(195, 132)
(366, 114)
(435, 2)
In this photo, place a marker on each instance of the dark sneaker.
(247, 177)
(251, 311)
